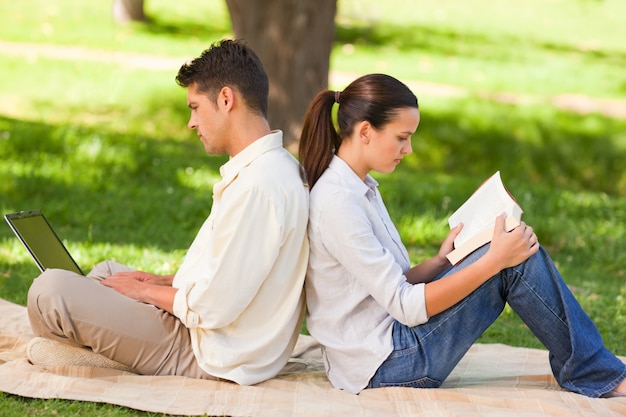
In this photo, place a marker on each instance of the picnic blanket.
(491, 380)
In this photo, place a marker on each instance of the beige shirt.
(240, 287)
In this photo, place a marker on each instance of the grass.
(175, 29)
(537, 47)
(19, 406)
(101, 145)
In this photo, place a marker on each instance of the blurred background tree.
(294, 41)
(128, 11)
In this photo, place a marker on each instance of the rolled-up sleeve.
(181, 310)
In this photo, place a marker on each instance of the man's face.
(207, 118)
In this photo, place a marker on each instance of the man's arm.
(148, 278)
(146, 288)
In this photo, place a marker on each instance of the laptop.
(41, 241)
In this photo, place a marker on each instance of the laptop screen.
(45, 247)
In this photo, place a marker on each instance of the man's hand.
(144, 287)
(148, 278)
(129, 284)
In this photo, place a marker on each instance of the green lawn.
(100, 143)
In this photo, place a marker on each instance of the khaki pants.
(80, 311)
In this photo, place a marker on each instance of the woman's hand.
(512, 248)
(448, 244)
(507, 249)
(428, 270)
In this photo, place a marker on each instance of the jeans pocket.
(405, 368)
(424, 382)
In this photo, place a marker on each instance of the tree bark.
(125, 11)
(293, 39)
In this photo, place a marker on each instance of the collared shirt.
(240, 286)
(355, 284)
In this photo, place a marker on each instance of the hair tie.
(337, 96)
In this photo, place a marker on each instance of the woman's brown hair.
(375, 98)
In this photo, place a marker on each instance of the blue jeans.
(425, 355)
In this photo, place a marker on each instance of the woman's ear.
(364, 129)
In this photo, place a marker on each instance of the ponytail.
(319, 139)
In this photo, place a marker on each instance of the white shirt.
(240, 287)
(355, 284)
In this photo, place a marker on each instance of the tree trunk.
(293, 39)
(125, 11)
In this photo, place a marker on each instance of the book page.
(480, 211)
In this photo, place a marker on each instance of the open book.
(478, 215)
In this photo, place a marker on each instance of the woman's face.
(387, 146)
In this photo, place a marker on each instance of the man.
(234, 308)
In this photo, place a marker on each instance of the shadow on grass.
(99, 186)
(549, 146)
(152, 191)
(471, 139)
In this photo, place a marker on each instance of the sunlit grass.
(175, 28)
(535, 48)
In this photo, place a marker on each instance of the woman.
(384, 323)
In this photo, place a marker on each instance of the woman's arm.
(428, 270)
(507, 249)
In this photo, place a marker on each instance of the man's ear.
(364, 129)
(226, 98)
